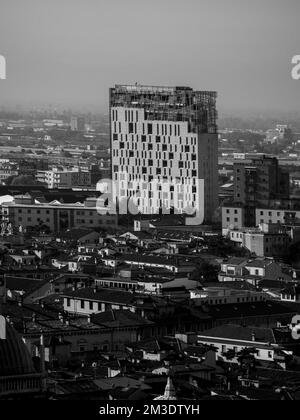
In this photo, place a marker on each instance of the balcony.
(13, 385)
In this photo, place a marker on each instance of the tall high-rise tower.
(163, 141)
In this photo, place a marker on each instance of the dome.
(14, 357)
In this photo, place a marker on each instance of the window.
(68, 302)
(150, 129)
(130, 128)
(91, 306)
(82, 304)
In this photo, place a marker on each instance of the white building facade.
(164, 140)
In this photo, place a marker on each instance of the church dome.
(14, 356)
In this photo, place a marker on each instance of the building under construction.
(178, 104)
(161, 134)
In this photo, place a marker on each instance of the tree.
(205, 273)
(24, 180)
(247, 360)
(85, 155)
(66, 154)
(293, 256)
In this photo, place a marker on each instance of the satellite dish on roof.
(94, 365)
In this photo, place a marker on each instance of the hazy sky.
(69, 52)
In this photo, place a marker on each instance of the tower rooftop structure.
(177, 104)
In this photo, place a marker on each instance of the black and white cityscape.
(149, 203)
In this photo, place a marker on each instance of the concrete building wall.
(233, 218)
(89, 307)
(263, 354)
(57, 218)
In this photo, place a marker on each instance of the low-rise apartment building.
(254, 270)
(89, 301)
(25, 213)
(7, 170)
(223, 296)
(236, 338)
(64, 178)
(235, 216)
(153, 285)
(268, 240)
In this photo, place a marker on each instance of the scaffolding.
(175, 104)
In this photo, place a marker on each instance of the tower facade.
(260, 181)
(164, 148)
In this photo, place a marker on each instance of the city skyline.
(149, 204)
(67, 54)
